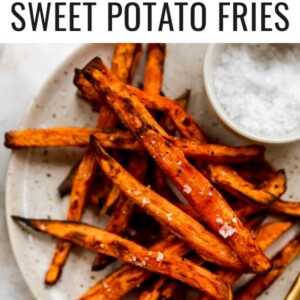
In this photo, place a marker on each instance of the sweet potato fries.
(144, 155)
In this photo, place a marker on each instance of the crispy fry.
(276, 185)
(166, 122)
(167, 214)
(286, 207)
(269, 232)
(127, 277)
(82, 182)
(266, 234)
(78, 137)
(103, 242)
(153, 74)
(87, 91)
(165, 287)
(125, 59)
(257, 173)
(194, 186)
(259, 284)
(232, 182)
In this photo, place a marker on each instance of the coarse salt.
(226, 230)
(219, 220)
(187, 189)
(145, 201)
(137, 193)
(234, 220)
(159, 257)
(258, 87)
(169, 216)
(179, 163)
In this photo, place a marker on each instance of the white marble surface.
(23, 69)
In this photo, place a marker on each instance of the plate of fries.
(144, 194)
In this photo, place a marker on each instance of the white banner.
(149, 21)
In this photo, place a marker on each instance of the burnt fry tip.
(25, 221)
(7, 142)
(95, 63)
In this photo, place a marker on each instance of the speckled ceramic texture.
(33, 175)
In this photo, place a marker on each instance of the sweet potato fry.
(87, 91)
(259, 284)
(257, 173)
(103, 242)
(269, 232)
(232, 182)
(82, 182)
(127, 277)
(265, 235)
(286, 207)
(109, 138)
(153, 74)
(276, 185)
(165, 287)
(167, 214)
(201, 194)
(125, 59)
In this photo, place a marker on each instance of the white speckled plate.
(33, 175)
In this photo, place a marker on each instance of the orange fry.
(82, 182)
(259, 284)
(127, 277)
(265, 235)
(110, 138)
(104, 242)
